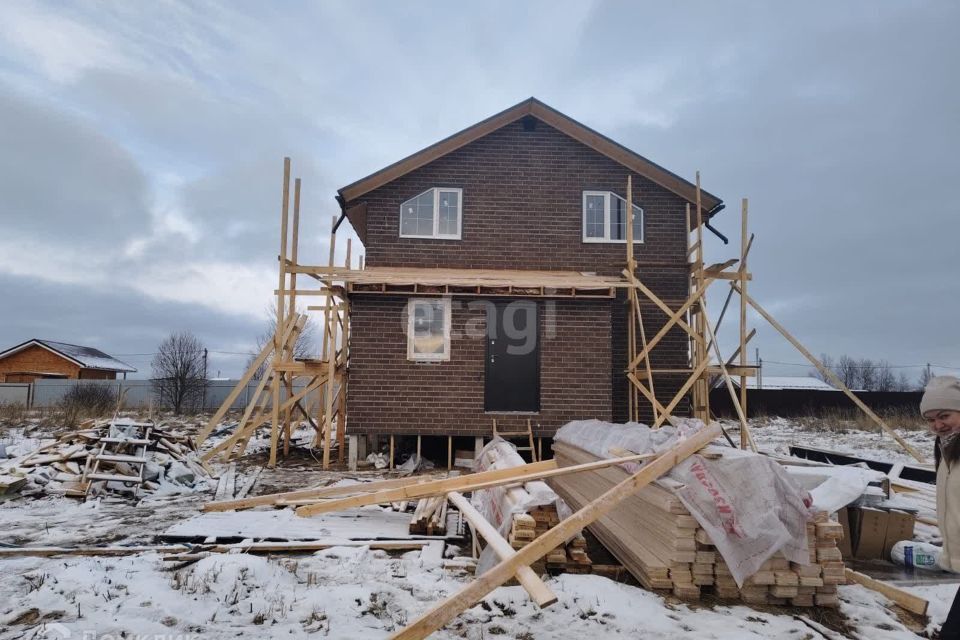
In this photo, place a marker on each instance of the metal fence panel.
(15, 393)
(138, 393)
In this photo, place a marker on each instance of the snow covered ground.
(361, 593)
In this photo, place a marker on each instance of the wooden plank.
(832, 377)
(235, 393)
(47, 552)
(744, 427)
(539, 592)
(474, 481)
(446, 611)
(673, 319)
(315, 493)
(742, 349)
(277, 344)
(906, 600)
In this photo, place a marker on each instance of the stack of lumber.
(654, 536)
(430, 517)
(529, 524)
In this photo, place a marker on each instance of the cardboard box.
(870, 533)
(872, 526)
(899, 527)
(845, 545)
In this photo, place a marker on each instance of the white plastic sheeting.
(833, 488)
(495, 505)
(748, 505)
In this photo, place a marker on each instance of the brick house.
(527, 189)
(38, 359)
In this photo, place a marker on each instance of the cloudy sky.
(141, 147)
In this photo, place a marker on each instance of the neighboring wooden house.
(527, 189)
(38, 359)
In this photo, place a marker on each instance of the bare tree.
(867, 374)
(179, 375)
(302, 348)
(886, 381)
(848, 370)
(903, 382)
(827, 361)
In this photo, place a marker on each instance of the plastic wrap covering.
(748, 505)
(497, 505)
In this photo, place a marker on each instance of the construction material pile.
(665, 547)
(120, 455)
(522, 513)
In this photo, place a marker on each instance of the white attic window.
(605, 218)
(435, 213)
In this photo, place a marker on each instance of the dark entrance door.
(513, 357)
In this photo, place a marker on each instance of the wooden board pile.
(60, 467)
(525, 527)
(430, 517)
(568, 558)
(654, 536)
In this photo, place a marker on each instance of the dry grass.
(841, 420)
(12, 412)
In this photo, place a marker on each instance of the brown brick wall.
(522, 209)
(97, 374)
(390, 394)
(37, 359)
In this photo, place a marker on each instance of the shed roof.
(86, 357)
(552, 117)
(806, 383)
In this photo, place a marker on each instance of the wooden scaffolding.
(323, 381)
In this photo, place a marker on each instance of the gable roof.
(86, 357)
(563, 123)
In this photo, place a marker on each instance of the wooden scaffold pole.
(331, 322)
(277, 345)
(744, 433)
(287, 417)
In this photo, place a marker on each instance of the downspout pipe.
(717, 209)
(343, 211)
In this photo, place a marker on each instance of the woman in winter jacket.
(940, 407)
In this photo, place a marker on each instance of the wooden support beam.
(235, 393)
(745, 437)
(674, 317)
(330, 349)
(277, 345)
(472, 482)
(832, 377)
(668, 410)
(291, 350)
(672, 320)
(742, 349)
(905, 599)
(444, 612)
(539, 592)
(314, 493)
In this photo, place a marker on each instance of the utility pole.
(203, 401)
(759, 370)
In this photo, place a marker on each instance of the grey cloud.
(63, 181)
(120, 322)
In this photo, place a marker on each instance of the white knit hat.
(942, 392)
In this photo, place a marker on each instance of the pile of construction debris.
(120, 456)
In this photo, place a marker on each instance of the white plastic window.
(605, 218)
(428, 329)
(435, 213)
